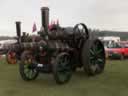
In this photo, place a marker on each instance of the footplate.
(45, 68)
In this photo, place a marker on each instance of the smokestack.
(45, 18)
(18, 30)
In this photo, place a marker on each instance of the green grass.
(112, 82)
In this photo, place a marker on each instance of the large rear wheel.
(26, 71)
(93, 57)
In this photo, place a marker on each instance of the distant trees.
(5, 37)
(95, 32)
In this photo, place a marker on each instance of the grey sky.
(102, 14)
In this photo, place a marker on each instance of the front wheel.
(62, 70)
(26, 71)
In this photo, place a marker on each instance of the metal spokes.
(64, 63)
(80, 30)
(26, 70)
(30, 73)
(97, 58)
(62, 68)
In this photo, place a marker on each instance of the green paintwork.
(96, 55)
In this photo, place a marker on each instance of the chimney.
(18, 30)
(45, 18)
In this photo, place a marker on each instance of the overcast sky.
(101, 14)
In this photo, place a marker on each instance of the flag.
(34, 27)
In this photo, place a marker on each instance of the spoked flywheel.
(80, 34)
(93, 57)
(80, 31)
(26, 70)
(62, 68)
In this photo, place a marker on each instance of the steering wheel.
(80, 31)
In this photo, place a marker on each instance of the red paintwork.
(123, 51)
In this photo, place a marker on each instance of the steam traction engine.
(59, 51)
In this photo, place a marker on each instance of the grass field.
(113, 82)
